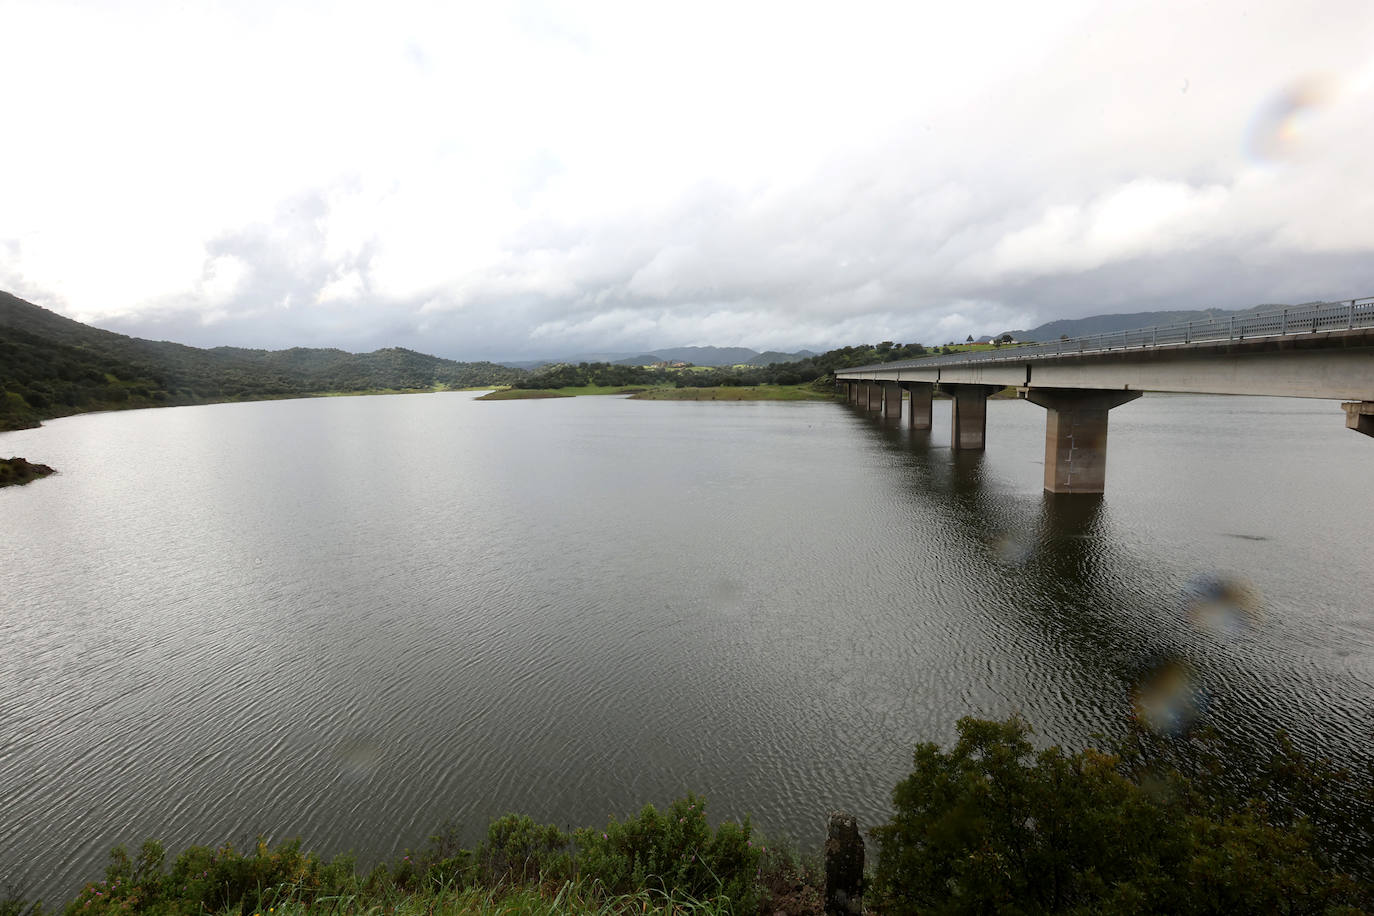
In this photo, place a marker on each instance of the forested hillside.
(51, 366)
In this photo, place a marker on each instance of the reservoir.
(355, 620)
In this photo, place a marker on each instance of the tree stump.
(844, 866)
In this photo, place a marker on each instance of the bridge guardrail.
(1306, 319)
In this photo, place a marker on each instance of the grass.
(368, 392)
(640, 393)
(522, 394)
(575, 897)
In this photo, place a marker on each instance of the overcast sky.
(477, 179)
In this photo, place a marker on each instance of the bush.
(215, 880)
(993, 826)
(445, 864)
(675, 852)
(519, 851)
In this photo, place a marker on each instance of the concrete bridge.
(1316, 351)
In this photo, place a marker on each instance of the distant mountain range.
(697, 356)
(1105, 324)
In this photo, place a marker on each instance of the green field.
(640, 393)
(522, 394)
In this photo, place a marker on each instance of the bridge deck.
(1321, 351)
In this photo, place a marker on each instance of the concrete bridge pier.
(921, 393)
(873, 398)
(892, 401)
(969, 415)
(1076, 436)
(1359, 416)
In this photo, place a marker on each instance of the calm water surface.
(355, 619)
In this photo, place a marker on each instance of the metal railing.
(1304, 319)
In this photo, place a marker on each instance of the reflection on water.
(356, 619)
(1166, 645)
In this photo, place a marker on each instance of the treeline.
(797, 372)
(1184, 825)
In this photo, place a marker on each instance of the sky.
(489, 180)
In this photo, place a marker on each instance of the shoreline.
(641, 393)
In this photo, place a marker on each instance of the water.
(356, 619)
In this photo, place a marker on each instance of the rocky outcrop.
(15, 471)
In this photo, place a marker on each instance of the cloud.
(1141, 217)
(487, 180)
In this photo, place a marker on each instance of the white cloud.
(224, 276)
(1141, 217)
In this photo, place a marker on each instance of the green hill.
(51, 366)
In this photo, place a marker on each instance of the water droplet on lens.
(1012, 548)
(1222, 606)
(1166, 699)
(359, 758)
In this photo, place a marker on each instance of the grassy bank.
(732, 393)
(640, 393)
(521, 394)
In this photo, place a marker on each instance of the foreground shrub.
(444, 865)
(519, 851)
(991, 826)
(675, 852)
(214, 880)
